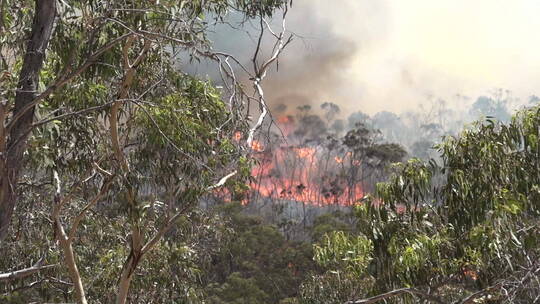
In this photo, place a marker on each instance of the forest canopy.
(127, 179)
(113, 144)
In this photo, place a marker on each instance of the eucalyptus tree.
(462, 231)
(97, 121)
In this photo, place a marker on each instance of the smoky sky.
(395, 55)
(317, 68)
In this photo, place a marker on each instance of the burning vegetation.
(306, 159)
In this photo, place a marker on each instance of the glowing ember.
(285, 120)
(257, 146)
(305, 152)
(473, 275)
(286, 125)
(237, 135)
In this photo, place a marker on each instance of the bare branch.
(76, 113)
(261, 71)
(23, 273)
(164, 229)
(82, 213)
(470, 299)
(223, 180)
(395, 293)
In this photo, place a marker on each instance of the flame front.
(304, 176)
(308, 174)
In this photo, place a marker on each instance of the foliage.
(338, 250)
(467, 225)
(119, 147)
(330, 222)
(257, 264)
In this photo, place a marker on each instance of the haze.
(395, 55)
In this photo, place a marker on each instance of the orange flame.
(257, 146)
(473, 275)
(285, 119)
(301, 176)
(305, 152)
(300, 173)
(237, 136)
(286, 124)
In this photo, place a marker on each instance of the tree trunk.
(125, 278)
(67, 249)
(12, 157)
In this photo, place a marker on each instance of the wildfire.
(285, 120)
(305, 152)
(471, 274)
(299, 173)
(302, 175)
(257, 146)
(286, 124)
(237, 136)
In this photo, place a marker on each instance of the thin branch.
(395, 293)
(76, 113)
(168, 139)
(170, 223)
(82, 213)
(470, 299)
(164, 229)
(64, 79)
(23, 273)
(261, 71)
(222, 181)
